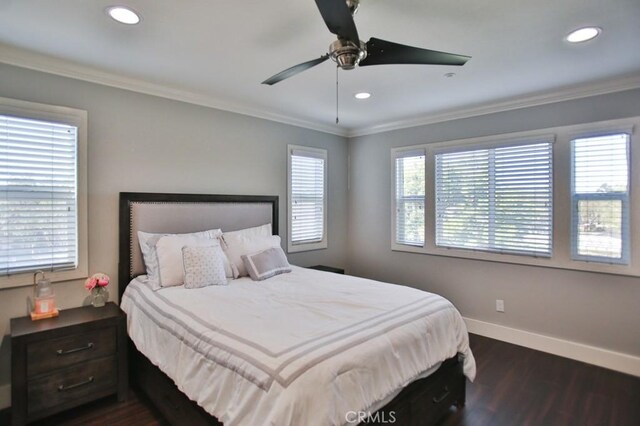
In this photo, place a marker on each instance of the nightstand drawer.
(88, 380)
(45, 356)
(62, 362)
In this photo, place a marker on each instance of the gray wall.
(144, 143)
(596, 309)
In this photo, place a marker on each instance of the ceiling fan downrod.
(337, 119)
(346, 53)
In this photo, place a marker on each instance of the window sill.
(545, 262)
(296, 248)
(26, 279)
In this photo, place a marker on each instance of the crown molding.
(565, 94)
(40, 62)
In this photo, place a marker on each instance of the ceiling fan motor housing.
(347, 54)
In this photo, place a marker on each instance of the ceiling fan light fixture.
(362, 95)
(583, 34)
(123, 14)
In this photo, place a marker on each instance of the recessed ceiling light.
(123, 14)
(583, 34)
(450, 74)
(362, 95)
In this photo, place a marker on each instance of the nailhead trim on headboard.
(129, 200)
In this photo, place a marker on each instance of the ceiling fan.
(348, 50)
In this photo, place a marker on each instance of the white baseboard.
(617, 361)
(5, 396)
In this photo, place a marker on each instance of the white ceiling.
(218, 51)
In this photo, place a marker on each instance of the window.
(42, 201)
(38, 195)
(555, 198)
(307, 196)
(410, 197)
(496, 199)
(600, 198)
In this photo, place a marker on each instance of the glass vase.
(99, 296)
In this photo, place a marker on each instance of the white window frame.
(322, 244)
(395, 154)
(72, 117)
(561, 201)
(624, 199)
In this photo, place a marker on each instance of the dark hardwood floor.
(514, 386)
(520, 386)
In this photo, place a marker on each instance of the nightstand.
(327, 269)
(59, 363)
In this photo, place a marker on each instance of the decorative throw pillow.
(203, 266)
(266, 263)
(239, 245)
(148, 243)
(170, 263)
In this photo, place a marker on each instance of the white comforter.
(301, 348)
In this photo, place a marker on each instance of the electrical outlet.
(499, 305)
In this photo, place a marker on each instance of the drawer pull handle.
(70, 351)
(63, 388)
(439, 399)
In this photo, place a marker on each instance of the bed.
(307, 347)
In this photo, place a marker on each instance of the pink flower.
(99, 280)
(90, 283)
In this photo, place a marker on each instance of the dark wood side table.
(327, 269)
(59, 363)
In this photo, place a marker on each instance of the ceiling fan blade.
(382, 52)
(290, 72)
(338, 18)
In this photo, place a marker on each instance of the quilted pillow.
(203, 266)
(148, 243)
(169, 252)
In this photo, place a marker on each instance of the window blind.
(307, 197)
(38, 213)
(410, 197)
(497, 199)
(600, 198)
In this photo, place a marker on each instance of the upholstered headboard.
(184, 213)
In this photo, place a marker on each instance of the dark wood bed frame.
(422, 402)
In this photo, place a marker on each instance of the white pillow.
(169, 251)
(203, 266)
(256, 231)
(239, 245)
(148, 248)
